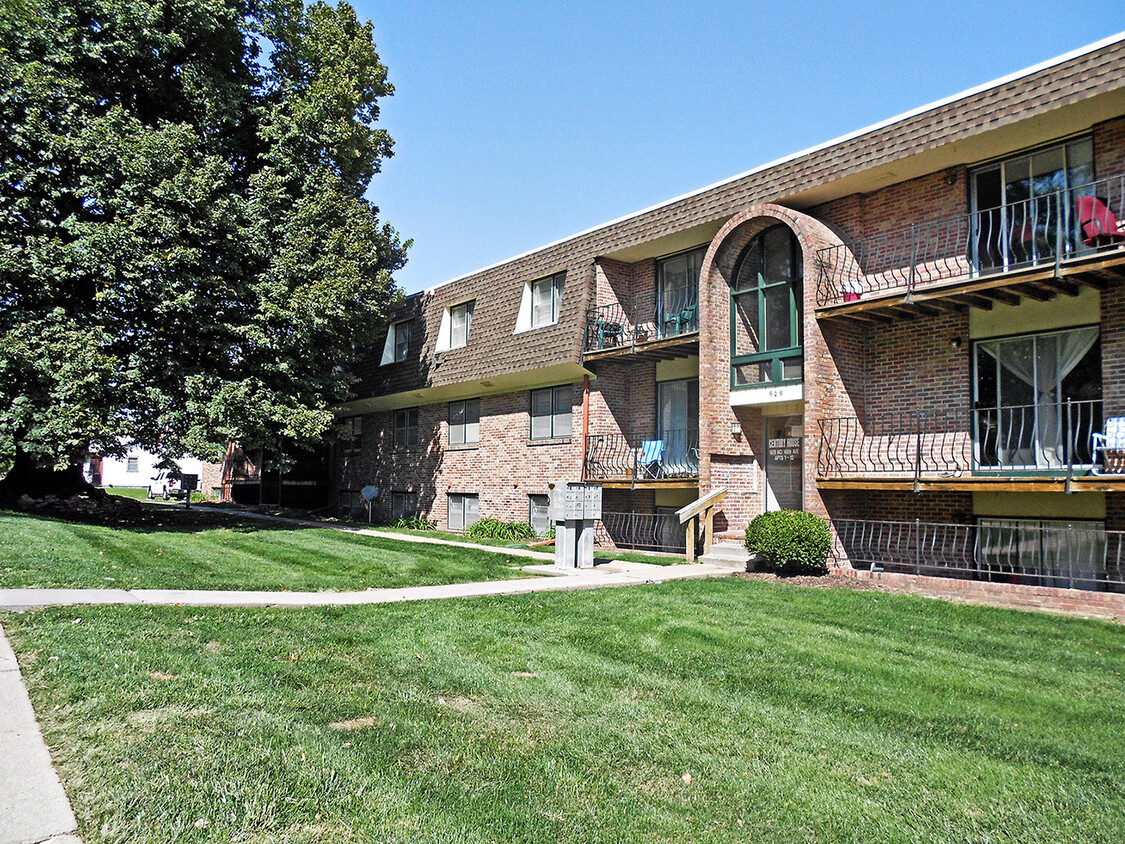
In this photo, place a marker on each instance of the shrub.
(412, 523)
(496, 529)
(790, 542)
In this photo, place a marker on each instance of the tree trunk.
(27, 477)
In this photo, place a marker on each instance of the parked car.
(167, 483)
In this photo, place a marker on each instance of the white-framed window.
(456, 322)
(132, 464)
(540, 303)
(406, 428)
(546, 293)
(550, 413)
(464, 422)
(462, 509)
(537, 513)
(460, 321)
(404, 505)
(397, 345)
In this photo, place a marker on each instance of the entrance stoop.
(731, 554)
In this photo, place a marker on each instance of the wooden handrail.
(702, 503)
(705, 504)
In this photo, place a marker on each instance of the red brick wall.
(504, 469)
(1109, 150)
(623, 396)
(1113, 350)
(899, 506)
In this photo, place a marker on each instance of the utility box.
(573, 508)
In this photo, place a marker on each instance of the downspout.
(585, 420)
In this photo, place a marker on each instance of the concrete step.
(732, 554)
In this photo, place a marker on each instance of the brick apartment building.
(915, 330)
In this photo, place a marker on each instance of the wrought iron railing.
(1048, 438)
(642, 456)
(1034, 553)
(646, 531)
(623, 325)
(1033, 232)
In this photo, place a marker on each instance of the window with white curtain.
(1037, 399)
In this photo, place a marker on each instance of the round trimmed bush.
(790, 542)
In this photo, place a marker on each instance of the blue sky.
(520, 123)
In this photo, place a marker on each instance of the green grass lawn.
(142, 494)
(138, 493)
(801, 715)
(599, 553)
(41, 552)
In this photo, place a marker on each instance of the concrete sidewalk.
(618, 573)
(33, 806)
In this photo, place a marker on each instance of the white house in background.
(135, 469)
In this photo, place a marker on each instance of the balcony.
(667, 330)
(667, 459)
(1040, 447)
(1075, 555)
(1036, 248)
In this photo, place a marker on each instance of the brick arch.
(727, 460)
(727, 245)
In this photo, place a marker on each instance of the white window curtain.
(1052, 357)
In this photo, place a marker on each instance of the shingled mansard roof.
(1064, 95)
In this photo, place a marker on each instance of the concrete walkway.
(33, 806)
(618, 573)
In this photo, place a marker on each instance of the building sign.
(785, 450)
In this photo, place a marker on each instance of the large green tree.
(187, 254)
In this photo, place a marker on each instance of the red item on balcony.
(1099, 224)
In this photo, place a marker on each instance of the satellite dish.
(369, 493)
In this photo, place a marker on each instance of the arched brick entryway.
(731, 457)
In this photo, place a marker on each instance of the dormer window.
(397, 345)
(460, 320)
(455, 325)
(545, 296)
(539, 305)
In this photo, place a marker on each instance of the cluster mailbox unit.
(573, 509)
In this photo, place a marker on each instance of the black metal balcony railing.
(619, 325)
(1073, 556)
(1033, 232)
(641, 457)
(646, 531)
(1048, 438)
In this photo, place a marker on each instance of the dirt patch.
(356, 723)
(827, 581)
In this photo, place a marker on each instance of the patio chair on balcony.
(609, 333)
(650, 461)
(681, 321)
(1111, 445)
(1099, 224)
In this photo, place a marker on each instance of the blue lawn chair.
(650, 459)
